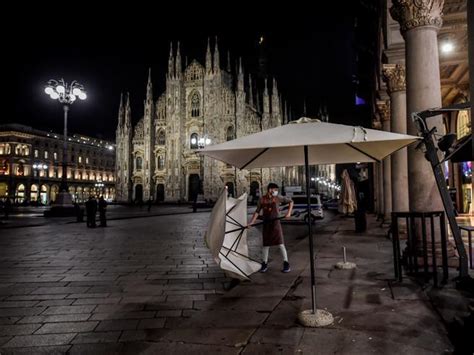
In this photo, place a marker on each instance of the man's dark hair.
(272, 185)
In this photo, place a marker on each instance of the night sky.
(310, 52)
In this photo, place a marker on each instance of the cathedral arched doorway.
(193, 186)
(138, 193)
(160, 193)
(254, 191)
(230, 188)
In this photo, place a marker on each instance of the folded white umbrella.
(309, 142)
(226, 236)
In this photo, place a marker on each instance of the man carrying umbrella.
(272, 232)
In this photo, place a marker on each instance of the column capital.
(416, 13)
(394, 76)
(383, 108)
(376, 123)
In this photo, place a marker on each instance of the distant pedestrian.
(149, 203)
(195, 202)
(7, 207)
(78, 212)
(91, 210)
(102, 210)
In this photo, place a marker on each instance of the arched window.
(161, 162)
(463, 127)
(194, 141)
(230, 133)
(195, 105)
(20, 170)
(138, 163)
(161, 138)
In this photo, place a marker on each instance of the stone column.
(384, 110)
(394, 75)
(420, 21)
(378, 172)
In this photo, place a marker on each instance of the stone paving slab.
(22, 341)
(67, 327)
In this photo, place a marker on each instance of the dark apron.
(272, 231)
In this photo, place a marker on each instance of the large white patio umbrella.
(309, 142)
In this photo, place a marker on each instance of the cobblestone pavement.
(149, 285)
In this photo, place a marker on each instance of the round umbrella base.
(345, 265)
(321, 318)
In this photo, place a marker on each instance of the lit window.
(463, 127)
(55, 156)
(20, 170)
(46, 154)
(80, 159)
(36, 153)
(87, 160)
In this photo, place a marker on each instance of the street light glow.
(447, 47)
(63, 92)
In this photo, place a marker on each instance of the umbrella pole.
(310, 232)
(312, 317)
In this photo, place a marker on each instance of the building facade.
(31, 165)
(422, 64)
(202, 104)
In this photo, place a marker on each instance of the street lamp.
(99, 186)
(39, 167)
(66, 94)
(202, 142)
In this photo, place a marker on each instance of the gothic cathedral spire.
(171, 65)
(208, 58)
(217, 65)
(178, 68)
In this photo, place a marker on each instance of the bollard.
(345, 265)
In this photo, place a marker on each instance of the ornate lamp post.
(202, 142)
(66, 94)
(99, 186)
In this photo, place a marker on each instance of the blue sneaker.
(286, 267)
(264, 267)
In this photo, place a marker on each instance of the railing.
(469, 230)
(420, 257)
